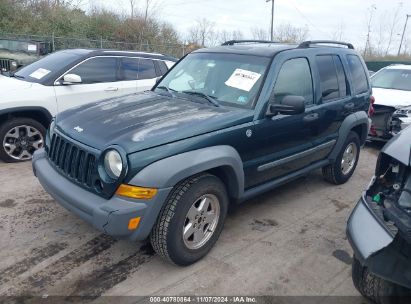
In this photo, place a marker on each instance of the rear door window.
(146, 69)
(358, 74)
(294, 78)
(130, 68)
(332, 77)
(97, 70)
(162, 66)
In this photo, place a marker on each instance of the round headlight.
(113, 164)
(14, 64)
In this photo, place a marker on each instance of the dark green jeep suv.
(223, 125)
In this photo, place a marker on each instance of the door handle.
(111, 89)
(311, 117)
(349, 106)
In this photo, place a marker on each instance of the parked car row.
(63, 80)
(223, 125)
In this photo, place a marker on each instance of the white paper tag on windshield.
(243, 79)
(32, 48)
(39, 73)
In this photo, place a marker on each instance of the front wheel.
(20, 138)
(344, 165)
(191, 220)
(376, 289)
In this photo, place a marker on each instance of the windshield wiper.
(210, 99)
(167, 89)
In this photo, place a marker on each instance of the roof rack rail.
(307, 44)
(232, 42)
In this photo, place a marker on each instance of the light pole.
(403, 33)
(272, 18)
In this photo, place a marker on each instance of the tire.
(167, 237)
(13, 149)
(376, 289)
(335, 173)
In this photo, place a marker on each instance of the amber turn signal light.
(136, 192)
(133, 223)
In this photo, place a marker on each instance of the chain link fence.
(60, 43)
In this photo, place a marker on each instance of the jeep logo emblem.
(78, 129)
(249, 133)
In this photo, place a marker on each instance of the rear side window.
(294, 78)
(162, 66)
(146, 69)
(359, 76)
(130, 68)
(97, 70)
(332, 77)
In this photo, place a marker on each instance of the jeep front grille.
(4, 65)
(72, 161)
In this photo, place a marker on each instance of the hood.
(141, 121)
(10, 84)
(399, 147)
(391, 98)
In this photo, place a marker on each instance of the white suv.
(66, 79)
(391, 88)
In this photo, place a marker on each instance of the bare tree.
(289, 33)
(339, 32)
(393, 26)
(202, 32)
(370, 15)
(151, 6)
(132, 7)
(259, 33)
(224, 35)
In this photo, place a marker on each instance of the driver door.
(99, 80)
(283, 141)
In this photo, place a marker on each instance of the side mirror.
(290, 105)
(71, 79)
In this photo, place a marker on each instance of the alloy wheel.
(22, 141)
(201, 221)
(349, 158)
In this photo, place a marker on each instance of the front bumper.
(109, 216)
(365, 233)
(385, 255)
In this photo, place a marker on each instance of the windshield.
(229, 79)
(36, 71)
(396, 79)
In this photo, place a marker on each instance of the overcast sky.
(325, 19)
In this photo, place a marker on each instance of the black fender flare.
(350, 122)
(16, 110)
(169, 171)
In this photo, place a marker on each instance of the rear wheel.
(20, 138)
(191, 220)
(344, 166)
(377, 289)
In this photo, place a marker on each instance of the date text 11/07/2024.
(202, 299)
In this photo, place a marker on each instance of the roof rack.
(232, 42)
(307, 44)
